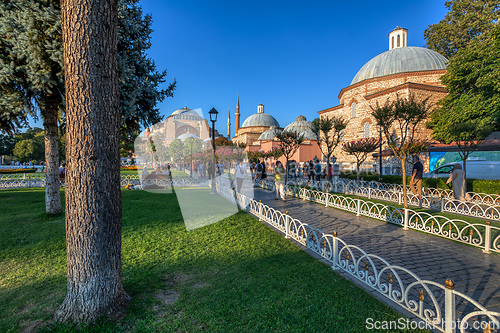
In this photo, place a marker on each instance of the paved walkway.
(432, 258)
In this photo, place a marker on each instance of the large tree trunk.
(93, 197)
(52, 192)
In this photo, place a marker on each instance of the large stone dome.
(302, 126)
(260, 119)
(401, 60)
(186, 112)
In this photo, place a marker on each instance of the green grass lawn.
(236, 275)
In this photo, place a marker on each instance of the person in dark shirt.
(416, 178)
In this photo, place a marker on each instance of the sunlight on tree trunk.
(93, 198)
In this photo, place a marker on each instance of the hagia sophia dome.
(401, 60)
(186, 112)
(260, 119)
(302, 126)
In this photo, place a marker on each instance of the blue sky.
(292, 56)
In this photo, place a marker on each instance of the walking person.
(240, 173)
(258, 171)
(317, 171)
(416, 178)
(459, 183)
(279, 176)
(310, 170)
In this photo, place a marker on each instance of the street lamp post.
(213, 118)
(191, 160)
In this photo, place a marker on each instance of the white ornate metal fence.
(484, 236)
(440, 306)
(481, 205)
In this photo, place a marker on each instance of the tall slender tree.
(329, 133)
(289, 143)
(403, 116)
(360, 149)
(93, 198)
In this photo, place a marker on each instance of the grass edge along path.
(234, 275)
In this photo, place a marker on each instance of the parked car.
(478, 169)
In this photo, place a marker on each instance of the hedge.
(9, 171)
(473, 185)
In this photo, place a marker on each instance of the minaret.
(237, 115)
(397, 38)
(228, 124)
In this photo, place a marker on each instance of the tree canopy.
(464, 24)
(31, 61)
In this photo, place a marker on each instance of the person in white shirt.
(240, 173)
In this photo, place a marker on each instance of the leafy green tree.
(176, 149)
(403, 116)
(193, 145)
(471, 110)
(463, 25)
(289, 143)
(7, 143)
(360, 149)
(31, 80)
(329, 133)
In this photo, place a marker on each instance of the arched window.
(353, 110)
(341, 136)
(366, 129)
(399, 37)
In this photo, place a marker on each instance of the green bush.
(473, 185)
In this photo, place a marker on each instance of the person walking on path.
(258, 171)
(279, 176)
(240, 173)
(310, 170)
(317, 171)
(416, 178)
(459, 183)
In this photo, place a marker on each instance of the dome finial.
(185, 105)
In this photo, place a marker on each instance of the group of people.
(457, 177)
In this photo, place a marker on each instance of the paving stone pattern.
(431, 258)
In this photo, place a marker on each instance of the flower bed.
(17, 170)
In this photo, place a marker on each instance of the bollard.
(405, 226)
(449, 307)
(359, 207)
(335, 256)
(487, 238)
(286, 225)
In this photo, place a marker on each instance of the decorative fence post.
(335, 254)
(326, 199)
(449, 307)
(29, 181)
(369, 193)
(487, 238)
(442, 203)
(405, 225)
(260, 210)
(399, 198)
(286, 225)
(359, 207)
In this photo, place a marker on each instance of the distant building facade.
(401, 71)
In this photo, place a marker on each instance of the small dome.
(269, 134)
(302, 126)
(184, 136)
(401, 60)
(260, 119)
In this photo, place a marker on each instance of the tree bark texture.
(52, 181)
(93, 197)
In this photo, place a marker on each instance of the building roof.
(401, 60)
(260, 119)
(269, 134)
(186, 112)
(184, 136)
(302, 126)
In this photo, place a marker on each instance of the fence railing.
(483, 236)
(480, 205)
(439, 306)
